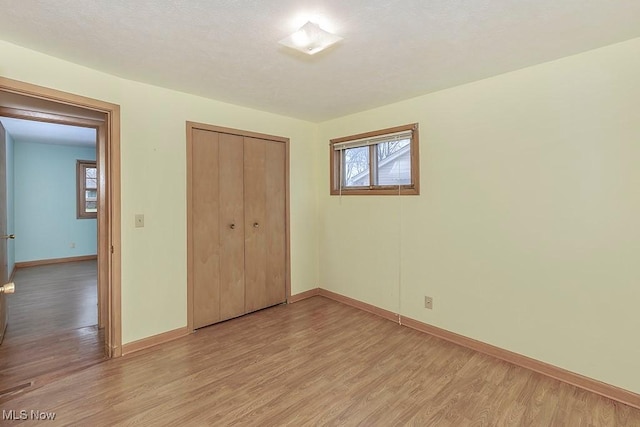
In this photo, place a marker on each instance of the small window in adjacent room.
(382, 162)
(87, 188)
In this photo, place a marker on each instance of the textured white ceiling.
(392, 49)
(48, 133)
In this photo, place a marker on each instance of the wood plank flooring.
(52, 325)
(316, 362)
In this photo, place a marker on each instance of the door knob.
(256, 225)
(8, 288)
(8, 236)
(232, 226)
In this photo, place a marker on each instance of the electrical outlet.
(139, 220)
(428, 302)
(72, 245)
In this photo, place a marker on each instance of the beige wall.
(153, 156)
(526, 233)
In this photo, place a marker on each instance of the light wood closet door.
(238, 230)
(265, 247)
(206, 226)
(231, 226)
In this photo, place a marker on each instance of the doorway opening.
(98, 273)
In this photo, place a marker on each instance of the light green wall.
(526, 231)
(153, 160)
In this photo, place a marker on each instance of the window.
(87, 188)
(380, 162)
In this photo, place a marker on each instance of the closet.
(237, 222)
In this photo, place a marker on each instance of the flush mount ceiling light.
(310, 39)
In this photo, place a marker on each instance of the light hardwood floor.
(316, 362)
(52, 327)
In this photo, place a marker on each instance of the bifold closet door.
(218, 221)
(238, 225)
(206, 226)
(231, 226)
(264, 211)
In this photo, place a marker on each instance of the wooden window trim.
(81, 182)
(412, 189)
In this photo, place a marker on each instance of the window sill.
(378, 191)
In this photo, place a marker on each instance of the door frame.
(190, 127)
(108, 159)
(4, 242)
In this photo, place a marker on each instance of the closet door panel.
(275, 231)
(231, 226)
(255, 205)
(205, 219)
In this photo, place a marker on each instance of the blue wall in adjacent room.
(45, 203)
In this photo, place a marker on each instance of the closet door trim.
(230, 131)
(190, 126)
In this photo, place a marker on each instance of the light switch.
(139, 220)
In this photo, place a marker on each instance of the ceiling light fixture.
(310, 39)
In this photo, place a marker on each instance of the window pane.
(376, 162)
(91, 201)
(394, 163)
(355, 167)
(87, 187)
(91, 180)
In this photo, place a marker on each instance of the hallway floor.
(52, 328)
